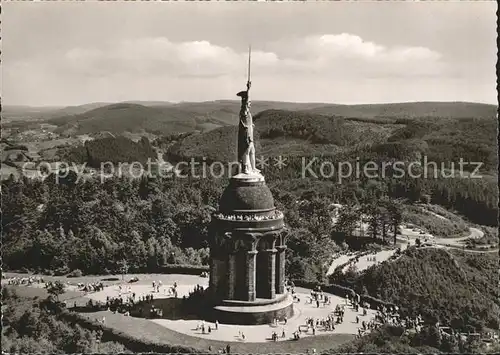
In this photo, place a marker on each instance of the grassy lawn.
(144, 329)
(40, 292)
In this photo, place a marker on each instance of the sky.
(71, 53)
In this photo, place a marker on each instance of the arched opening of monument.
(261, 281)
(279, 285)
(240, 289)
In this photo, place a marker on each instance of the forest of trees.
(152, 222)
(93, 227)
(144, 224)
(475, 199)
(32, 327)
(110, 149)
(448, 140)
(333, 139)
(393, 340)
(318, 129)
(456, 291)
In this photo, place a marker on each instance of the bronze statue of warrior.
(246, 148)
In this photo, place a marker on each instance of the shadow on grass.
(110, 279)
(169, 308)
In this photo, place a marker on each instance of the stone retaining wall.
(343, 291)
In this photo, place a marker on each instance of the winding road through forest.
(407, 237)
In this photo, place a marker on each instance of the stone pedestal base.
(260, 311)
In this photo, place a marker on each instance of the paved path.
(366, 261)
(262, 333)
(339, 261)
(407, 237)
(474, 233)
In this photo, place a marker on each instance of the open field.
(48, 144)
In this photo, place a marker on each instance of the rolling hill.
(171, 118)
(27, 113)
(293, 133)
(280, 132)
(127, 117)
(410, 110)
(216, 145)
(110, 149)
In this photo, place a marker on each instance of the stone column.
(213, 274)
(280, 266)
(251, 274)
(231, 275)
(270, 290)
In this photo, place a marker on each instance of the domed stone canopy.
(246, 197)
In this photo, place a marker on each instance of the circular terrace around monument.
(228, 333)
(175, 330)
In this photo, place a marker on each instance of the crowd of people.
(207, 328)
(318, 297)
(26, 281)
(331, 319)
(169, 291)
(392, 316)
(90, 287)
(126, 300)
(224, 350)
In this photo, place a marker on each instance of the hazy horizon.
(71, 54)
(236, 100)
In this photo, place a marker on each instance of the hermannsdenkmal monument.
(248, 241)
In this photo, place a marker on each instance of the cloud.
(352, 46)
(348, 55)
(344, 44)
(159, 56)
(328, 54)
(200, 70)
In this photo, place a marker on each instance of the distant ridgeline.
(125, 117)
(273, 128)
(295, 133)
(111, 149)
(303, 136)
